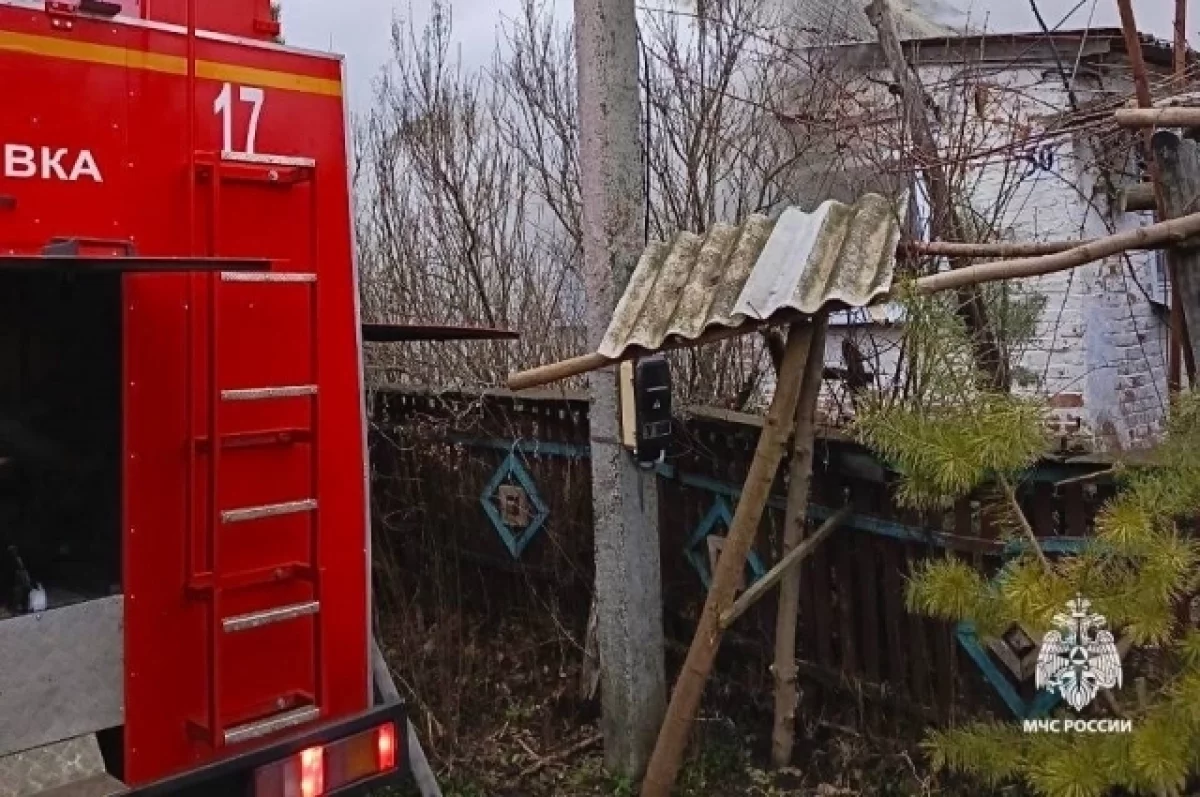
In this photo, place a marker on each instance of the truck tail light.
(301, 775)
(319, 770)
(312, 772)
(386, 742)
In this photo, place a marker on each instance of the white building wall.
(1099, 354)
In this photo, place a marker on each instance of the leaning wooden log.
(944, 219)
(1180, 162)
(781, 569)
(1157, 117)
(1137, 198)
(689, 687)
(994, 249)
(1152, 236)
(586, 363)
(565, 369)
(1182, 52)
(1141, 85)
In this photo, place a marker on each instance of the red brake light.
(316, 770)
(312, 772)
(300, 775)
(386, 743)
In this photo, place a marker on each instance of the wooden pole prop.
(1138, 197)
(1141, 85)
(689, 687)
(1179, 66)
(585, 363)
(782, 568)
(944, 221)
(1157, 117)
(1152, 236)
(795, 514)
(994, 249)
(1180, 162)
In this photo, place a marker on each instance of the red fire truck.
(184, 547)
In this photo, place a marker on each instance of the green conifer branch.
(946, 441)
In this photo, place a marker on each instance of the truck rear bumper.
(235, 775)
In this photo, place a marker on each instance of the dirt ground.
(497, 706)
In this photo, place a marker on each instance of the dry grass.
(492, 681)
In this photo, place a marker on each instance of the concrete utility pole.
(624, 498)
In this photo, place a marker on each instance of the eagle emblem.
(1080, 658)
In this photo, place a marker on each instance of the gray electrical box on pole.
(624, 498)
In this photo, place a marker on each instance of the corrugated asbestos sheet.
(839, 255)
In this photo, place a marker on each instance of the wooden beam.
(1179, 330)
(773, 576)
(1180, 51)
(1157, 235)
(685, 698)
(1137, 198)
(944, 219)
(1133, 47)
(994, 249)
(1141, 84)
(1157, 117)
(794, 521)
(1180, 159)
(594, 361)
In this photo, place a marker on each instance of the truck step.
(99, 786)
(243, 514)
(244, 622)
(71, 768)
(203, 584)
(272, 724)
(267, 438)
(265, 393)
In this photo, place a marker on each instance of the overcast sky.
(361, 28)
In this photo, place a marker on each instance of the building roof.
(1010, 47)
(823, 22)
(835, 257)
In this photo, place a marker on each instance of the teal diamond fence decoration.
(697, 553)
(1038, 707)
(1043, 701)
(515, 538)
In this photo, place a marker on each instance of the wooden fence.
(504, 481)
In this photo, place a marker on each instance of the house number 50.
(223, 107)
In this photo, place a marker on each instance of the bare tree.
(472, 182)
(447, 232)
(469, 181)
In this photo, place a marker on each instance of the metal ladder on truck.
(214, 583)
